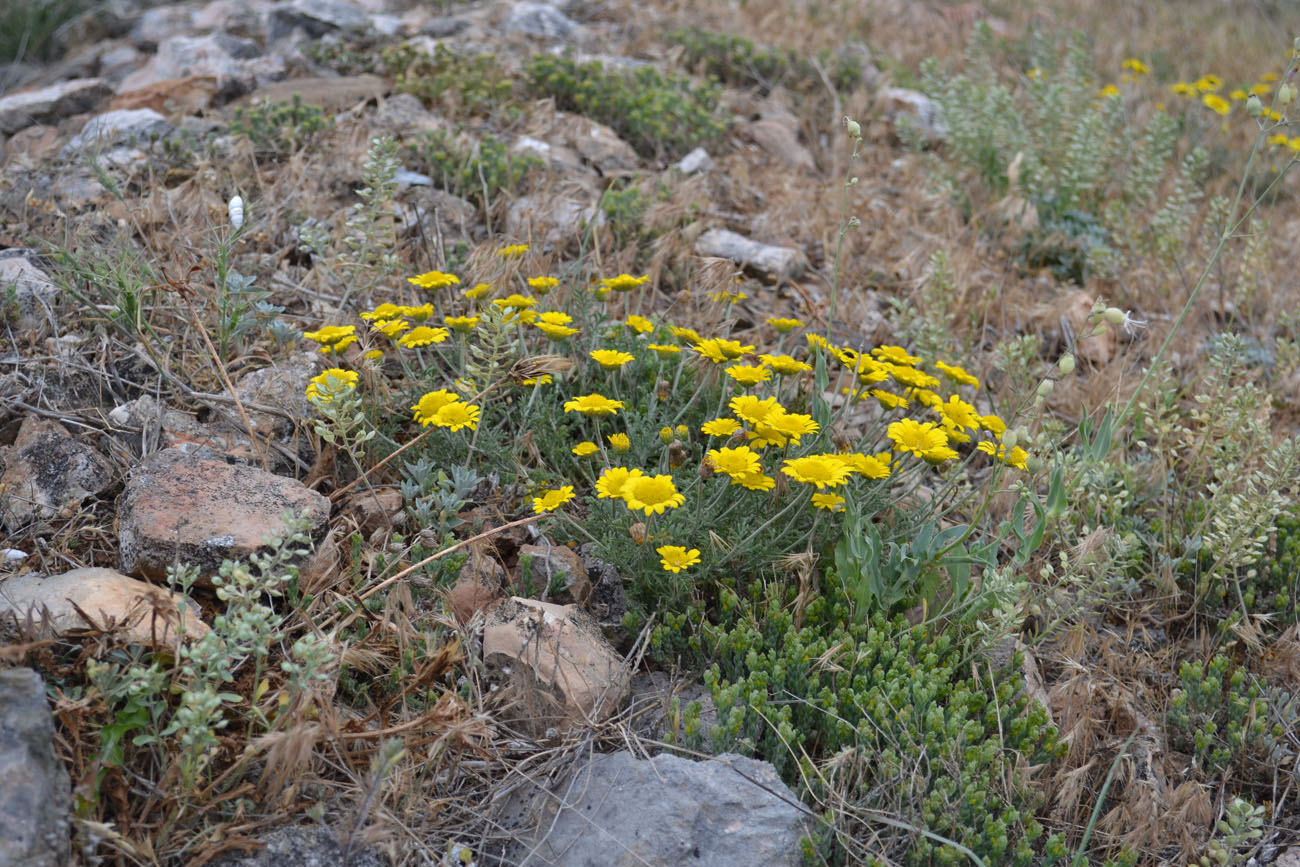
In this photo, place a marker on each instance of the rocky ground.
(123, 457)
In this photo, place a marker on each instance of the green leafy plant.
(738, 61)
(659, 115)
(281, 128)
(481, 172)
(461, 86)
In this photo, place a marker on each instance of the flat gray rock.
(303, 847)
(103, 131)
(34, 787)
(667, 811)
(539, 19)
(50, 104)
(775, 263)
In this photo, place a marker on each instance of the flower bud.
(1045, 388)
(1033, 463)
(1099, 330)
(665, 435)
(1010, 438)
(1114, 316)
(853, 127)
(1066, 364)
(682, 431)
(1254, 107)
(1286, 93)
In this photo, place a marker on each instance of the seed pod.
(1066, 364)
(1254, 107)
(853, 127)
(1010, 438)
(1045, 388)
(1114, 316)
(1286, 93)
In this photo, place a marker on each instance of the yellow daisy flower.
(675, 558)
(552, 500)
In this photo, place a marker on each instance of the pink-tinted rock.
(559, 671)
(480, 584)
(49, 473)
(557, 574)
(149, 614)
(179, 508)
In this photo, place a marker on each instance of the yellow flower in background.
(785, 364)
(784, 325)
(1182, 88)
(1216, 104)
(888, 400)
(896, 355)
(720, 427)
(390, 327)
(639, 324)
(1035, 73)
(585, 448)
(1135, 66)
(686, 335)
(480, 290)
(619, 442)
(741, 461)
(1108, 90)
(823, 471)
(552, 500)
(924, 397)
(957, 374)
(829, 502)
(333, 338)
(675, 558)
(911, 376)
(613, 480)
(868, 466)
(611, 359)
(1261, 89)
(755, 482)
(1017, 458)
(373, 355)
(419, 314)
(993, 423)
(623, 283)
(593, 404)
(455, 416)
(434, 280)
(652, 494)
(462, 324)
(553, 331)
(422, 335)
(332, 380)
(749, 375)
(1278, 139)
(720, 349)
(665, 351)
(542, 285)
(1208, 83)
(383, 311)
(544, 379)
(512, 251)
(926, 440)
(516, 301)
(1238, 94)
(429, 405)
(1293, 144)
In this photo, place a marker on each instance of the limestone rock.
(236, 64)
(34, 786)
(480, 584)
(697, 160)
(559, 669)
(178, 508)
(780, 141)
(556, 572)
(27, 146)
(331, 94)
(601, 147)
(149, 614)
(51, 104)
(541, 20)
(310, 846)
(116, 127)
(377, 510)
(315, 18)
(34, 290)
(616, 810)
(49, 473)
(778, 264)
(915, 109)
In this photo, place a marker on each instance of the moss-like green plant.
(737, 61)
(461, 86)
(479, 173)
(886, 714)
(280, 128)
(659, 115)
